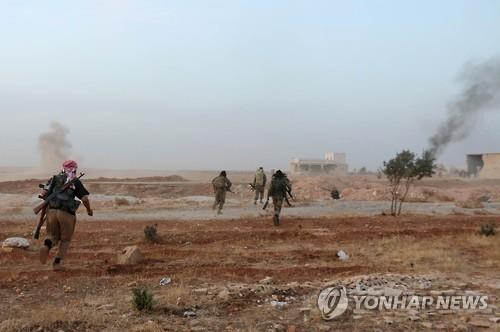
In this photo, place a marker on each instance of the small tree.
(402, 171)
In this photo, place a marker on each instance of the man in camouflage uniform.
(61, 212)
(259, 184)
(221, 185)
(280, 186)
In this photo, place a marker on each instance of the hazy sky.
(238, 84)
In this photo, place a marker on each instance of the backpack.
(280, 186)
(259, 178)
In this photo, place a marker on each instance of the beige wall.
(491, 168)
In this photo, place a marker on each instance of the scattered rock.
(266, 281)
(278, 328)
(198, 328)
(480, 323)
(343, 256)
(165, 281)
(392, 291)
(189, 313)
(388, 320)
(278, 304)
(224, 295)
(130, 255)
(16, 242)
(449, 292)
(495, 320)
(67, 289)
(373, 292)
(201, 291)
(427, 325)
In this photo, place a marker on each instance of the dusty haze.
(237, 85)
(54, 147)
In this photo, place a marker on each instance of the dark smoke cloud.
(54, 147)
(481, 91)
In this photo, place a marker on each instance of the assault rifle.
(50, 197)
(43, 215)
(289, 192)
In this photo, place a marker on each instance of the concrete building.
(334, 163)
(486, 165)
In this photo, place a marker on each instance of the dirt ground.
(216, 266)
(239, 273)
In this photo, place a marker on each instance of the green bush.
(487, 229)
(142, 299)
(150, 233)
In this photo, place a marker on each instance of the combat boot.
(57, 266)
(276, 220)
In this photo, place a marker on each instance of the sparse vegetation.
(487, 229)
(142, 299)
(402, 171)
(150, 233)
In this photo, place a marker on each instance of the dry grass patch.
(175, 297)
(446, 254)
(57, 317)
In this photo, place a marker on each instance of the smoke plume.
(54, 147)
(481, 91)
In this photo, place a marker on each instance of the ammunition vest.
(64, 200)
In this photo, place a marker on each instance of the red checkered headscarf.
(69, 168)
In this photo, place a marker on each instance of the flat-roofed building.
(334, 163)
(484, 165)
